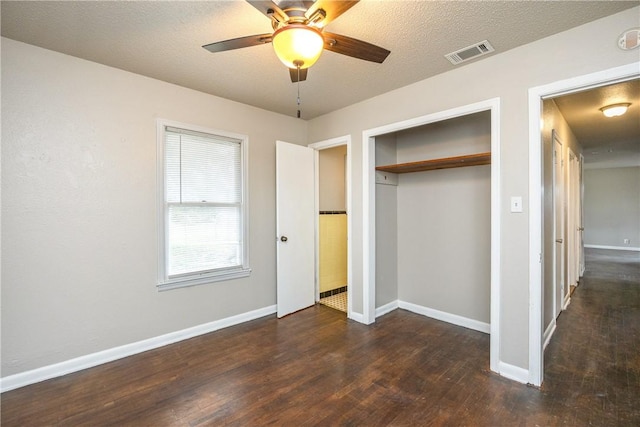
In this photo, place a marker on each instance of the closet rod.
(444, 163)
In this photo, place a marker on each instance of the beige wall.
(509, 75)
(79, 254)
(332, 178)
(612, 207)
(444, 220)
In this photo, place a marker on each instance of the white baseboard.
(358, 317)
(22, 379)
(615, 248)
(387, 308)
(548, 333)
(567, 301)
(514, 373)
(446, 317)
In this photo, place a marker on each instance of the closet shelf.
(444, 163)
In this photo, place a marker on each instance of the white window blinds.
(203, 196)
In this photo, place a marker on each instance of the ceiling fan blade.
(269, 9)
(238, 43)
(293, 73)
(332, 9)
(354, 48)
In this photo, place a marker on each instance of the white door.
(295, 227)
(558, 215)
(573, 222)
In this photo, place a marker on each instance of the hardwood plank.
(318, 368)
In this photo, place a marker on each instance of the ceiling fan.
(298, 38)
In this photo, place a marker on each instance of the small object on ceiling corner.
(298, 113)
(630, 39)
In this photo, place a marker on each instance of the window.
(203, 209)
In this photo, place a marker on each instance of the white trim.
(368, 208)
(369, 225)
(535, 242)
(322, 145)
(358, 317)
(387, 308)
(514, 373)
(536, 95)
(496, 235)
(614, 248)
(567, 301)
(165, 283)
(454, 319)
(22, 379)
(548, 333)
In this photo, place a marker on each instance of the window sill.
(204, 279)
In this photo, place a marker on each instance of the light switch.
(516, 204)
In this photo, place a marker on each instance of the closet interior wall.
(433, 229)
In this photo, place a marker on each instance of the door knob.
(559, 240)
(283, 239)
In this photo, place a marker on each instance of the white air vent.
(470, 52)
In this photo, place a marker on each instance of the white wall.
(79, 207)
(509, 75)
(612, 207)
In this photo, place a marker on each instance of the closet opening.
(431, 208)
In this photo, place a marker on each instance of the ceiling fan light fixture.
(298, 45)
(615, 110)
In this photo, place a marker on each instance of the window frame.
(198, 278)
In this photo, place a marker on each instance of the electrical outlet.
(626, 241)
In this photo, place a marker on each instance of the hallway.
(592, 365)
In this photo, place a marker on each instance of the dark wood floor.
(317, 368)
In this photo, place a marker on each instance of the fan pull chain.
(298, 91)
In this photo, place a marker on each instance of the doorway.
(333, 223)
(537, 241)
(332, 228)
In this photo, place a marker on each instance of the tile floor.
(337, 301)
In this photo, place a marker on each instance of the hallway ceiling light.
(614, 110)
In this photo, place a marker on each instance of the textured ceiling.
(613, 141)
(163, 40)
